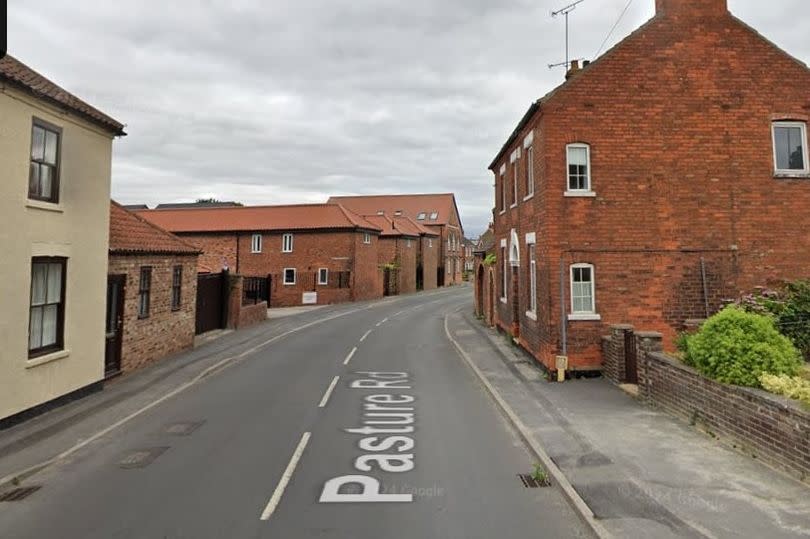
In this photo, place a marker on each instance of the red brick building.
(151, 293)
(657, 181)
(437, 212)
(407, 253)
(312, 253)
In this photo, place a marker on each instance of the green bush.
(737, 347)
(790, 308)
(792, 387)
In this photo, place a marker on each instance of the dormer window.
(421, 216)
(434, 216)
(398, 213)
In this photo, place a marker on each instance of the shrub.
(737, 347)
(790, 308)
(491, 259)
(792, 387)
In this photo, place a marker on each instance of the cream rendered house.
(55, 154)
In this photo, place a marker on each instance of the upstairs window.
(287, 243)
(515, 181)
(47, 306)
(43, 173)
(579, 168)
(256, 243)
(366, 238)
(421, 216)
(790, 147)
(434, 216)
(529, 171)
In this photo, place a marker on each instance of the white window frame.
(430, 242)
(284, 276)
(529, 172)
(504, 266)
(503, 189)
(588, 192)
(583, 315)
(531, 255)
(366, 238)
(421, 216)
(434, 216)
(287, 243)
(791, 172)
(256, 243)
(322, 272)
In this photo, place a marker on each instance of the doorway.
(114, 332)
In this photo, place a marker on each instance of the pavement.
(356, 421)
(640, 472)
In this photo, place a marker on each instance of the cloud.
(292, 101)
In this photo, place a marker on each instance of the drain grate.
(18, 494)
(141, 458)
(184, 428)
(530, 482)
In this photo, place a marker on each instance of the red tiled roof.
(258, 218)
(20, 75)
(399, 226)
(131, 234)
(410, 205)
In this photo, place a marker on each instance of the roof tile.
(131, 234)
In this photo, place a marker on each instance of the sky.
(291, 101)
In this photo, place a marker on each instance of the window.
(430, 242)
(323, 276)
(408, 243)
(47, 306)
(503, 273)
(421, 216)
(43, 174)
(532, 279)
(503, 190)
(790, 148)
(529, 172)
(144, 292)
(582, 290)
(287, 243)
(177, 287)
(579, 168)
(366, 238)
(434, 216)
(398, 213)
(289, 276)
(515, 183)
(256, 243)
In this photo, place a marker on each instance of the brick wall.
(429, 258)
(165, 331)
(218, 250)
(682, 169)
(239, 315)
(767, 426)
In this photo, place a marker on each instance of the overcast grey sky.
(285, 101)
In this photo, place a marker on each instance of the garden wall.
(770, 427)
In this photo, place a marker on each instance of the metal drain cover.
(183, 428)
(18, 494)
(530, 482)
(141, 458)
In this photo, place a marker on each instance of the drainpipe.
(563, 317)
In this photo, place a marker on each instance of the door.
(210, 302)
(114, 335)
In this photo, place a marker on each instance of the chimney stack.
(573, 69)
(691, 8)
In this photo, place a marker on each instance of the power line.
(626, 7)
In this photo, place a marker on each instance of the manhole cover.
(184, 428)
(141, 458)
(18, 494)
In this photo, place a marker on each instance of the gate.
(420, 277)
(211, 301)
(630, 358)
(386, 281)
(440, 276)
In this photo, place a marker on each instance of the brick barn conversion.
(437, 212)
(656, 182)
(311, 253)
(151, 293)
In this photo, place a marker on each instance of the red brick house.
(405, 249)
(437, 212)
(312, 253)
(666, 176)
(151, 293)
(484, 277)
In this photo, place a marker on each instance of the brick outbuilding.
(311, 253)
(152, 290)
(436, 212)
(657, 181)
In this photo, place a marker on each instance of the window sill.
(42, 360)
(255, 252)
(580, 194)
(289, 284)
(584, 317)
(791, 175)
(528, 197)
(531, 315)
(46, 206)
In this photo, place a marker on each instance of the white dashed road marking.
(282, 485)
(329, 390)
(350, 356)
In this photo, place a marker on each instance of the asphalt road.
(306, 438)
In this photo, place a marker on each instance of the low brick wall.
(251, 314)
(774, 429)
(242, 316)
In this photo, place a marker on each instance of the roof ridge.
(262, 206)
(163, 231)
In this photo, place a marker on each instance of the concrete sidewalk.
(641, 472)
